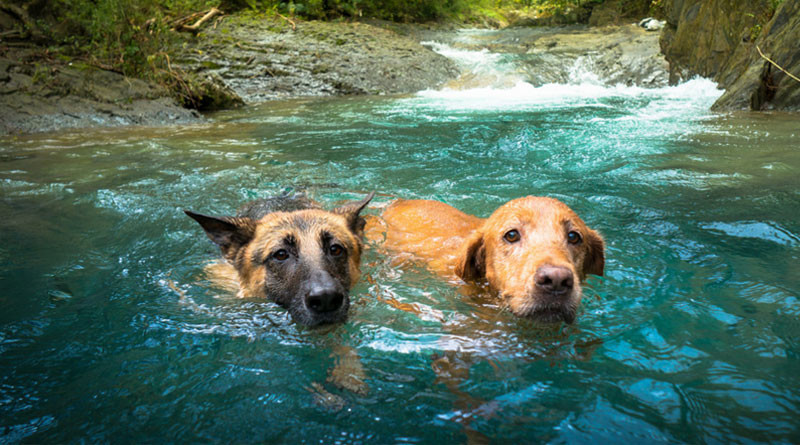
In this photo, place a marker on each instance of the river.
(109, 332)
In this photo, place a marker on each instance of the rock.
(756, 84)
(701, 35)
(41, 95)
(261, 59)
(718, 39)
(210, 93)
(651, 24)
(626, 55)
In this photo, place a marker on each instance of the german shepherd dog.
(291, 251)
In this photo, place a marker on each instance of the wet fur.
(249, 240)
(464, 247)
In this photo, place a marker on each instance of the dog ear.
(229, 233)
(595, 260)
(351, 212)
(471, 262)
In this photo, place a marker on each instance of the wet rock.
(626, 55)
(210, 93)
(651, 24)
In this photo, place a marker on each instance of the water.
(109, 332)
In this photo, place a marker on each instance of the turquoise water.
(108, 331)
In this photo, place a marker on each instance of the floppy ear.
(595, 259)
(229, 233)
(351, 212)
(471, 261)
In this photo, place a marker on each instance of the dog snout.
(555, 280)
(324, 296)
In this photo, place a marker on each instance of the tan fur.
(288, 250)
(269, 230)
(460, 246)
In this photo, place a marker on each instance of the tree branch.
(776, 65)
(194, 29)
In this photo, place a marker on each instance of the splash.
(492, 81)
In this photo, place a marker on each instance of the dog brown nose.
(324, 299)
(555, 280)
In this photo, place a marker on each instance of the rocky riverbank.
(245, 60)
(40, 93)
(611, 55)
(261, 60)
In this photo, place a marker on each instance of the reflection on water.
(108, 326)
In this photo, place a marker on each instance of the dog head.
(534, 252)
(304, 260)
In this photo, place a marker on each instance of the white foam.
(475, 61)
(584, 88)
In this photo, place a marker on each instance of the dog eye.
(512, 236)
(281, 255)
(336, 249)
(574, 237)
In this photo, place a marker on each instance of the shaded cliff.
(718, 39)
(755, 83)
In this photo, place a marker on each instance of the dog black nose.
(556, 280)
(324, 299)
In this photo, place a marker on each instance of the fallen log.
(195, 28)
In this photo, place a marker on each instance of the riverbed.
(110, 332)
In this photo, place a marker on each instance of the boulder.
(719, 39)
(753, 82)
(651, 24)
(701, 35)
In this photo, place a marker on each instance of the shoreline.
(250, 60)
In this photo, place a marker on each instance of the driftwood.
(195, 28)
(776, 65)
(187, 18)
(294, 25)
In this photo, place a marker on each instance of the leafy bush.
(128, 36)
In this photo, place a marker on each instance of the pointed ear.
(595, 260)
(471, 261)
(229, 233)
(351, 212)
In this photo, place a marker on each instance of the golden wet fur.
(464, 247)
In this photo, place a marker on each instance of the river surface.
(110, 333)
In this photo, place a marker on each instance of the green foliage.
(775, 3)
(396, 10)
(126, 36)
(134, 37)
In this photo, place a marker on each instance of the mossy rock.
(209, 93)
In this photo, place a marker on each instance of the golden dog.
(533, 252)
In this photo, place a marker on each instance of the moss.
(320, 69)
